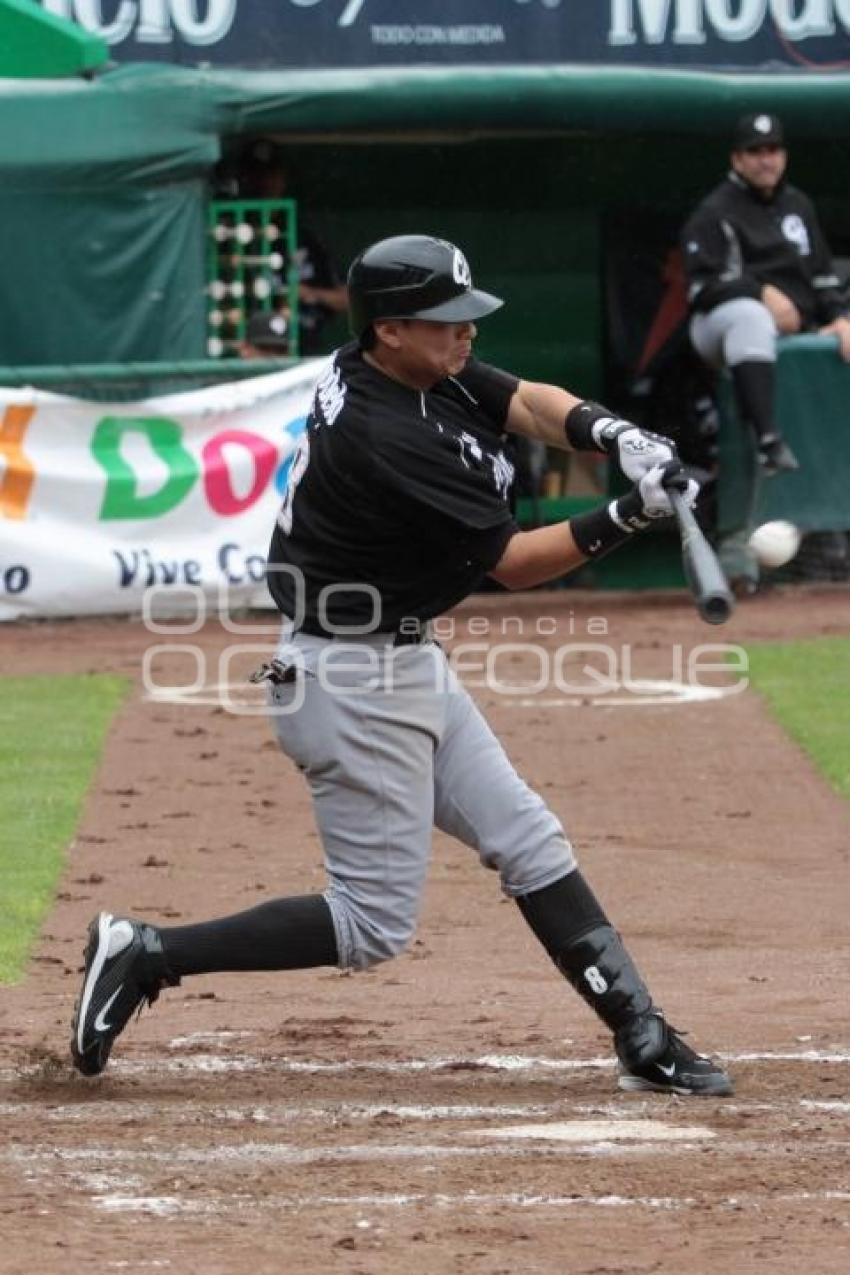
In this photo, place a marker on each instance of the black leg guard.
(605, 976)
(571, 925)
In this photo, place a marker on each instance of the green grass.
(807, 685)
(51, 736)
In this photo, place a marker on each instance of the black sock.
(283, 934)
(754, 389)
(562, 912)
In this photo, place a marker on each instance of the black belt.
(395, 637)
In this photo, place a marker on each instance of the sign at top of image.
(810, 34)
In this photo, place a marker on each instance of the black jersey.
(736, 241)
(398, 499)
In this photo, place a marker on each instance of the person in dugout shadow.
(262, 173)
(758, 266)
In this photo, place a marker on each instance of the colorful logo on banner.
(19, 472)
(121, 498)
(101, 503)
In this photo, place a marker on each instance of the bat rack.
(252, 264)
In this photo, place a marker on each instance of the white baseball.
(262, 288)
(775, 543)
(244, 232)
(217, 289)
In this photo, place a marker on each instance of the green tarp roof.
(560, 98)
(34, 43)
(144, 122)
(104, 190)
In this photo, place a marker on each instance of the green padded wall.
(812, 407)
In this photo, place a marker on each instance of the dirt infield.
(456, 1110)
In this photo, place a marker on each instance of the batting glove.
(637, 450)
(649, 499)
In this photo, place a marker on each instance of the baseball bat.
(703, 572)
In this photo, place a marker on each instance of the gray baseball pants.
(739, 331)
(392, 744)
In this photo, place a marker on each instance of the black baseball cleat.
(776, 457)
(124, 967)
(675, 1069)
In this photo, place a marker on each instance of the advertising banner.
(99, 502)
(781, 34)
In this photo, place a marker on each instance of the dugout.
(540, 172)
(547, 175)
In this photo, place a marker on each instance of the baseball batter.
(397, 507)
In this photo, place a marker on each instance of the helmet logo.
(461, 272)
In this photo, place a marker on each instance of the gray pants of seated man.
(739, 331)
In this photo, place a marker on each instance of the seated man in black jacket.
(758, 266)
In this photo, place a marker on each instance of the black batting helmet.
(414, 277)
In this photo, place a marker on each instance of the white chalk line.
(631, 1139)
(207, 1038)
(805, 1056)
(188, 1112)
(600, 1132)
(284, 1113)
(41, 1159)
(165, 1206)
(214, 694)
(517, 1063)
(638, 692)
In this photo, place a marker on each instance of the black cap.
(268, 331)
(414, 277)
(758, 130)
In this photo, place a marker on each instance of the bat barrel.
(715, 608)
(708, 584)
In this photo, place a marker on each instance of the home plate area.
(455, 1111)
(211, 1133)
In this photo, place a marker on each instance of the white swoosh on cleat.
(668, 1071)
(101, 1025)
